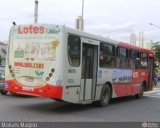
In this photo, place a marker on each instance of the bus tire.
(140, 95)
(105, 96)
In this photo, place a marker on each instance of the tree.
(156, 49)
(1, 60)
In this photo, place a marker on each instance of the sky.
(115, 19)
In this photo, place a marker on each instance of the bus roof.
(91, 36)
(97, 37)
(130, 46)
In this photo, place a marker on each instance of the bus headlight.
(47, 78)
(52, 70)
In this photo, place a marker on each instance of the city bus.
(65, 64)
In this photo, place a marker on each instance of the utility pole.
(80, 20)
(36, 12)
(82, 7)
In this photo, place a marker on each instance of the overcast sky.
(114, 18)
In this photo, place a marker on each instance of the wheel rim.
(105, 96)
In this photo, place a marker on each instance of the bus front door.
(150, 73)
(89, 72)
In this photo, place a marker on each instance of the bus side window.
(122, 59)
(143, 60)
(134, 59)
(107, 55)
(74, 50)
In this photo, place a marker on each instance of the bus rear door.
(89, 71)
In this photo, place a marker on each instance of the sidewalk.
(158, 85)
(154, 93)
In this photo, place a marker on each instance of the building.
(3, 53)
(148, 45)
(133, 39)
(141, 39)
(80, 23)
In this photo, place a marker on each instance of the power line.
(154, 25)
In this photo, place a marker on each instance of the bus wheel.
(140, 95)
(105, 96)
(3, 92)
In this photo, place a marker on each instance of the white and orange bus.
(65, 64)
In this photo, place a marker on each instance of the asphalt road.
(128, 109)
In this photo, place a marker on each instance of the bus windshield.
(32, 52)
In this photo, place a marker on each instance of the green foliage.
(1, 60)
(156, 49)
